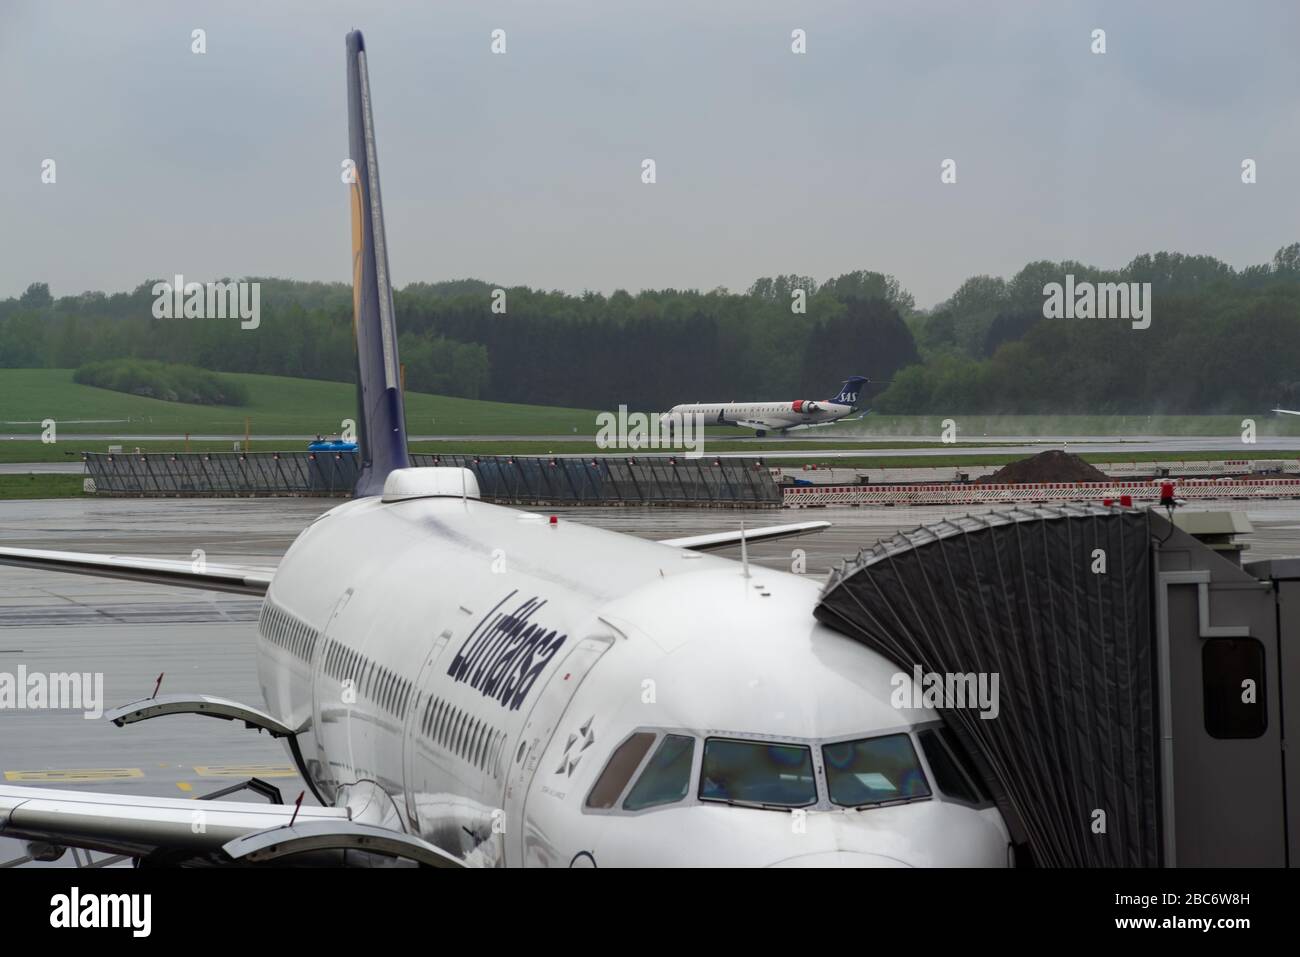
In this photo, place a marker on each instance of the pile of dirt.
(1053, 466)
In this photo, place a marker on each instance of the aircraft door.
(324, 777)
(414, 719)
(524, 847)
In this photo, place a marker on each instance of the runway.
(42, 468)
(204, 642)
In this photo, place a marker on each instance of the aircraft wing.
(768, 533)
(814, 425)
(1287, 411)
(137, 825)
(756, 424)
(244, 580)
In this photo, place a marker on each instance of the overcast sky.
(525, 168)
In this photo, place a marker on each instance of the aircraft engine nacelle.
(805, 405)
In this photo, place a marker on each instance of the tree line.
(648, 351)
(1220, 340)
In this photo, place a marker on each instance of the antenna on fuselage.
(744, 551)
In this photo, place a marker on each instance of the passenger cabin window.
(667, 778)
(1232, 675)
(619, 769)
(873, 771)
(758, 773)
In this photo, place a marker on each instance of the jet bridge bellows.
(1143, 676)
(1057, 603)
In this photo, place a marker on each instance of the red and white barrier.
(1038, 493)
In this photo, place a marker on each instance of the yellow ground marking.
(244, 771)
(75, 775)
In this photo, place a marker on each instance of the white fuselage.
(466, 671)
(764, 416)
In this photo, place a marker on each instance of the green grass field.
(282, 405)
(40, 486)
(278, 406)
(302, 407)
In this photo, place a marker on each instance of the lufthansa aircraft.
(764, 417)
(464, 684)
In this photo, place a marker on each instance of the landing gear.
(760, 433)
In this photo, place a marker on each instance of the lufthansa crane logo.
(574, 748)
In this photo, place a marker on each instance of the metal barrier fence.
(520, 480)
(222, 473)
(616, 481)
(975, 494)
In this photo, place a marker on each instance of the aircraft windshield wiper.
(760, 805)
(894, 802)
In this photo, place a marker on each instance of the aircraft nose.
(840, 859)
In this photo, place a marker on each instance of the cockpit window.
(622, 765)
(873, 770)
(667, 777)
(757, 772)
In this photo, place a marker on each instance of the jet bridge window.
(757, 772)
(1232, 674)
(873, 771)
(667, 778)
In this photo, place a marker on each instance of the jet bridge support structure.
(1142, 676)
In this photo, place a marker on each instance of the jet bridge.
(1141, 677)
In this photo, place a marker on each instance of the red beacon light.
(555, 520)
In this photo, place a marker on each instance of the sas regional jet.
(600, 700)
(764, 417)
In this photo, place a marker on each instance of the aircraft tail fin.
(848, 394)
(381, 414)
